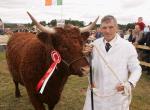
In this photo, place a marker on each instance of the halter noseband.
(73, 61)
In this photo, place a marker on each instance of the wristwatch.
(130, 84)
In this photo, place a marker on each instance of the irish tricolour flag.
(53, 2)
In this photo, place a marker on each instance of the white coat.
(122, 57)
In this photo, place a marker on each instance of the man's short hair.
(108, 18)
(140, 17)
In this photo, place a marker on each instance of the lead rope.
(127, 86)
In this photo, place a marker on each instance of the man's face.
(109, 29)
(140, 19)
(137, 28)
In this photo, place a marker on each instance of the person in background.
(98, 33)
(121, 33)
(1, 27)
(137, 34)
(129, 35)
(111, 90)
(140, 23)
(146, 29)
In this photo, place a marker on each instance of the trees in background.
(74, 22)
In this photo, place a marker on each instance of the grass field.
(72, 97)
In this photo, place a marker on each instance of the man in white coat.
(115, 69)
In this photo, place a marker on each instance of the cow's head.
(68, 42)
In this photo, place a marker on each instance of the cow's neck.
(60, 75)
(56, 82)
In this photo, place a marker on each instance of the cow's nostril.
(82, 69)
(85, 70)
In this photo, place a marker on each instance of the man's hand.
(87, 49)
(120, 87)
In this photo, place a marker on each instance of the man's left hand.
(120, 87)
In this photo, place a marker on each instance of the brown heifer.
(28, 58)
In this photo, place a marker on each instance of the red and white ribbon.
(42, 83)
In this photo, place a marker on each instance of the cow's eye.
(75, 41)
(65, 47)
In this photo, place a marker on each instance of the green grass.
(2, 56)
(73, 95)
(141, 95)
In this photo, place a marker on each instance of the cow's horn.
(41, 27)
(89, 27)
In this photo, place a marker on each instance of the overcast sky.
(126, 11)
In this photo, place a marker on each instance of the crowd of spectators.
(140, 35)
(1, 27)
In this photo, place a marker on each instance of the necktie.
(107, 46)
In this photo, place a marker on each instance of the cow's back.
(18, 48)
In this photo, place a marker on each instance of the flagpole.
(61, 12)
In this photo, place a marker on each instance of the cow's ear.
(44, 37)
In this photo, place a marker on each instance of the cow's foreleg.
(38, 105)
(17, 91)
(50, 107)
(52, 103)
